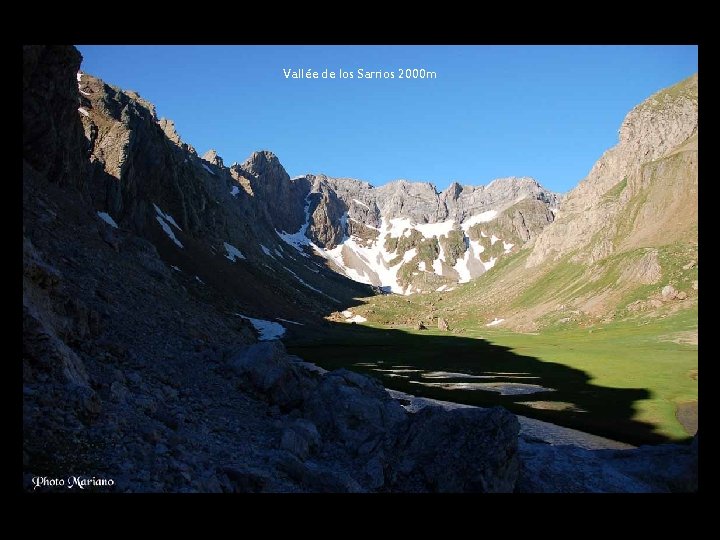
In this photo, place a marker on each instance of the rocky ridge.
(406, 237)
(650, 135)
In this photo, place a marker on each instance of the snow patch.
(176, 268)
(421, 266)
(479, 218)
(495, 322)
(461, 267)
(476, 247)
(233, 253)
(208, 169)
(267, 329)
(442, 228)
(168, 231)
(84, 93)
(266, 251)
(107, 219)
(437, 263)
(361, 203)
(493, 239)
(441, 288)
(350, 317)
(83, 111)
(234, 191)
(409, 255)
(200, 280)
(79, 76)
(166, 217)
(507, 247)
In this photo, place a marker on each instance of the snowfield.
(370, 263)
(267, 330)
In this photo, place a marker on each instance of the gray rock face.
(354, 213)
(282, 199)
(569, 469)
(327, 226)
(458, 451)
(211, 156)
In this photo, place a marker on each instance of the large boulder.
(461, 450)
(266, 368)
(355, 410)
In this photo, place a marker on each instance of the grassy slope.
(627, 354)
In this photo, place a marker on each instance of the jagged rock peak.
(211, 156)
(662, 121)
(168, 127)
(264, 162)
(145, 103)
(453, 190)
(261, 157)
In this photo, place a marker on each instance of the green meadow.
(624, 380)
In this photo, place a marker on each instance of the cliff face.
(53, 141)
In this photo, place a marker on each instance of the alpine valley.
(190, 326)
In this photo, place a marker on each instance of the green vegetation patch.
(453, 245)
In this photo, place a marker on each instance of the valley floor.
(633, 381)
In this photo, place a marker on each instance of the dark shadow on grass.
(594, 409)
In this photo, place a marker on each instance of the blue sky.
(491, 111)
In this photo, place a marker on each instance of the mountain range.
(155, 279)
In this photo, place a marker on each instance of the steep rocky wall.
(651, 131)
(53, 142)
